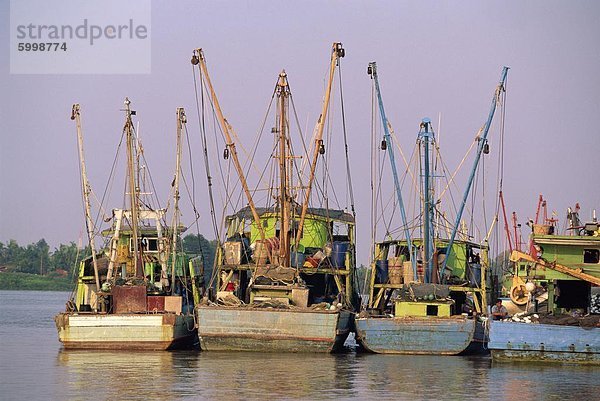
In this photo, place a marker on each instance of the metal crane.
(482, 142)
(372, 71)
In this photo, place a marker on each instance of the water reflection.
(546, 381)
(33, 366)
(274, 376)
(124, 375)
(422, 377)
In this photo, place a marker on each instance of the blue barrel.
(381, 271)
(475, 275)
(297, 259)
(338, 254)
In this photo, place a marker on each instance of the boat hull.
(415, 335)
(164, 331)
(513, 341)
(277, 330)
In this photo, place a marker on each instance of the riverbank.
(34, 282)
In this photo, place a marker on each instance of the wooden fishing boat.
(284, 273)
(426, 293)
(139, 291)
(564, 272)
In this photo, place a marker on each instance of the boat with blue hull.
(416, 335)
(512, 341)
(427, 291)
(557, 286)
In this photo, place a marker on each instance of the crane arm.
(337, 52)
(198, 58)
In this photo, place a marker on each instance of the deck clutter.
(284, 274)
(556, 285)
(285, 277)
(138, 291)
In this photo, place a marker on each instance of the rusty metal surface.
(578, 358)
(126, 331)
(254, 329)
(544, 342)
(155, 303)
(411, 335)
(128, 299)
(178, 343)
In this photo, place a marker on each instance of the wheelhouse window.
(148, 244)
(591, 256)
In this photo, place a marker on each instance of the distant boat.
(284, 274)
(427, 293)
(565, 274)
(139, 291)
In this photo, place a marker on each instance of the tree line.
(38, 258)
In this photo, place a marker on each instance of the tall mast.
(133, 190)
(372, 70)
(337, 52)
(283, 92)
(85, 189)
(482, 141)
(181, 119)
(198, 58)
(426, 135)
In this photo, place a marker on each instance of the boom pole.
(372, 70)
(133, 189)
(482, 141)
(283, 92)
(181, 119)
(198, 58)
(337, 52)
(86, 189)
(425, 134)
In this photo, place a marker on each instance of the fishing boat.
(556, 285)
(139, 290)
(284, 272)
(427, 292)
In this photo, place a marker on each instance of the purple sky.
(433, 56)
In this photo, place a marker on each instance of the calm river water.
(34, 367)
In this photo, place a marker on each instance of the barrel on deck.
(261, 253)
(297, 259)
(407, 273)
(395, 270)
(475, 274)
(381, 271)
(338, 254)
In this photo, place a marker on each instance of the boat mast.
(133, 190)
(372, 70)
(86, 189)
(181, 119)
(482, 141)
(283, 92)
(425, 135)
(337, 52)
(198, 58)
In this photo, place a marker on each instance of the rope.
(348, 174)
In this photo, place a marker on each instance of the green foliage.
(198, 245)
(33, 282)
(65, 256)
(35, 267)
(361, 283)
(36, 258)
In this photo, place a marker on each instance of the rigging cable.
(348, 174)
(202, 121)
